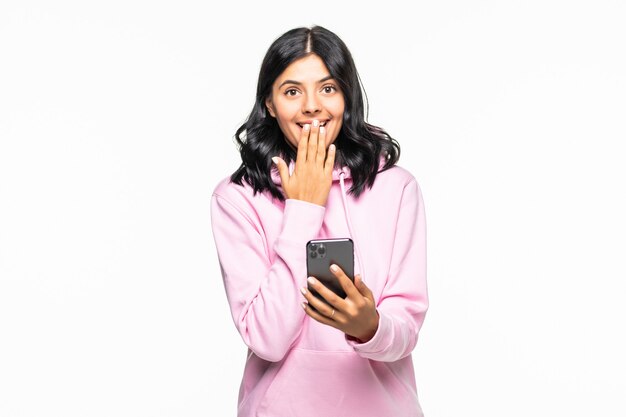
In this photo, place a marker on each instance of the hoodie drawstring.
(347, 214)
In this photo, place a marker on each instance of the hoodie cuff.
(301, 220)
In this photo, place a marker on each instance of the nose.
(311, 104)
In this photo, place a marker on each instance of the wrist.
(369, 334)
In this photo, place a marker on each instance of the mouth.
(311, 122)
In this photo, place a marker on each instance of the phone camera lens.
(313, 254)
(321, 250)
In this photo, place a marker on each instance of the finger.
(318, 317)
(331, 298)
(345, 282)
(312, 150)
(302, 145)
(320, 306)
(330, 160)
(321, 146)
(363, 289)
(283, 170)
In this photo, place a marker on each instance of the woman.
(313, 168)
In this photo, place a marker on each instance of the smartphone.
(321, 254)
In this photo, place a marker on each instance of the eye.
(328, 89)
(291, 92)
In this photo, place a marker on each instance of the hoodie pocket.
(337, 384)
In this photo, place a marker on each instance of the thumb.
(363, 289)
(283, 170)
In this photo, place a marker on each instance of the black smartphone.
(321, 254)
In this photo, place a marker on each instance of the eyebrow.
(328, 77)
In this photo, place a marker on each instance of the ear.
(270, 107)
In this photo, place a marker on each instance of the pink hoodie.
(297, 367)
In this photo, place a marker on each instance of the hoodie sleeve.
(404, 300)
(263, 294)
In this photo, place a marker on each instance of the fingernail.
(275, 160)
(334, 268)
(311, 280)
(332, 147)
(307, 127)
(322, 129)
(303, 306)
(316, 123)
(303, 291)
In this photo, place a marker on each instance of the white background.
(116, 122)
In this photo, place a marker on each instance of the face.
(304, 92)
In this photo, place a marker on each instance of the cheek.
(337, 112)
(337, 107)
(285, 114)
(285, 110)
(285, 121)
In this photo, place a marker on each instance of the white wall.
(116, 121)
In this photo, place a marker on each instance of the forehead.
(310, 68)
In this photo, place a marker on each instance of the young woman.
(312, 167)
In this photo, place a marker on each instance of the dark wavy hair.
(359, 144)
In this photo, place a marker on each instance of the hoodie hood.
(336, 173)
